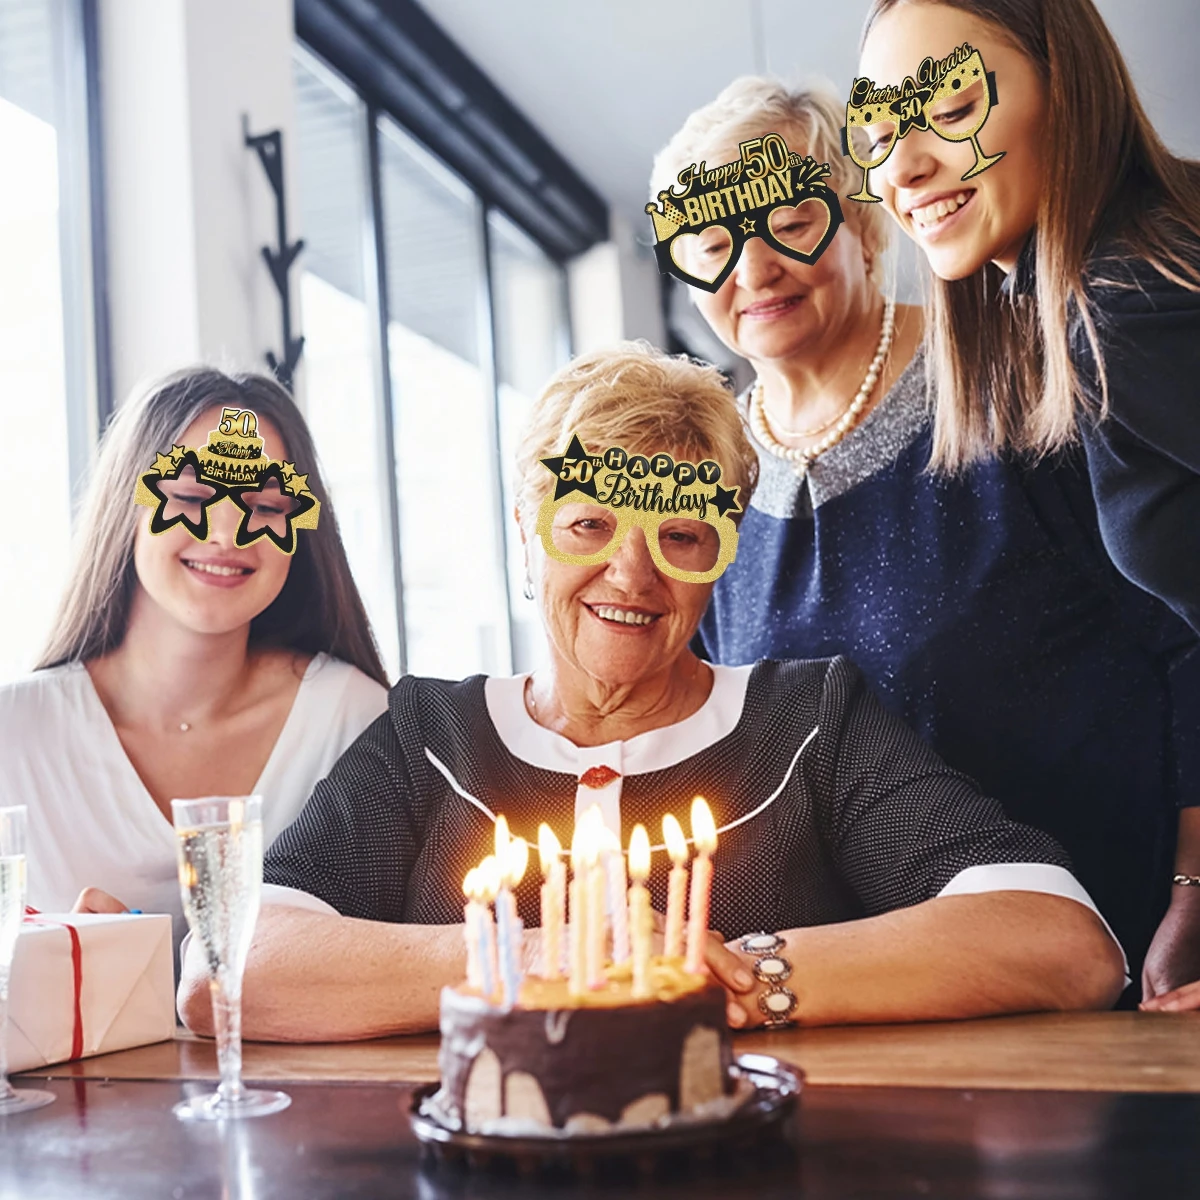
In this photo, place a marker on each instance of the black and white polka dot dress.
(862, 819)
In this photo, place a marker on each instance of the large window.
(47, 347)
(432, 320)
(339, 371)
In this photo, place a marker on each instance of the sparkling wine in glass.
(12, 909)
(219, 845)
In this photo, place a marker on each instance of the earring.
(528, 588)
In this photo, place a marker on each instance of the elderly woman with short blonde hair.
(898, 890)
(981, 607)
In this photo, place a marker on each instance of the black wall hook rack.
(269, 147)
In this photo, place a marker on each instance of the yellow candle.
(554, 874)
(704, 835)
(640, 918)
(676, 887)
(577, 960)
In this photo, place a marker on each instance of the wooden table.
(1091, 1052)
(1104, 1105)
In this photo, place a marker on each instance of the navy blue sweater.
(985, 612)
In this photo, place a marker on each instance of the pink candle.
(554, 872)
(676, 887)
(704, 834)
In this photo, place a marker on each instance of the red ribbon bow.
(33, 916)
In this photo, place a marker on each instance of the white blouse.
(92, 823)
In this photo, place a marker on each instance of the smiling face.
(623, 620)
(960, 224)
(210, 586)
(772, 307)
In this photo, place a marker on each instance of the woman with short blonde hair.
(839, 829)
(978, 606)
(630, 395)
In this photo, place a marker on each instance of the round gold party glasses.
(688, 548)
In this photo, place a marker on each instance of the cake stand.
(762, 1119)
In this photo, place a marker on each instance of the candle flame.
(489, 878)
(516, 862)
(549, 847)
(704, 828)
(676, 842)
(471, 883)
(639, 854)
(588, 842)
(579, 840)
(502, 838)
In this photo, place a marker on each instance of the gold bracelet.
(1187, 880)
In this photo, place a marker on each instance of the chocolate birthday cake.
(556, 1063)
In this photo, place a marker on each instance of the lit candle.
(704, 835)
(554, 897)
(577, 959)
(473, 929)
(488, 881)
(614, 866)
(640, 917)
(595, 897)
(512, 871)
(676, 886)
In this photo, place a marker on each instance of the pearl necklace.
(803, 458)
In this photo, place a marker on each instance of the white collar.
(654, 750)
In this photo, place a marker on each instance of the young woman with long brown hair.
(1066, 299)
(178, 667)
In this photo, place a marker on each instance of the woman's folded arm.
(949, 958)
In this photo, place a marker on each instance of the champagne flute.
(12, 909)
(219, 844)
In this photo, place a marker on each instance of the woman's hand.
(733, 971)
(1174, 955)
(1182, 999)
(93, 900)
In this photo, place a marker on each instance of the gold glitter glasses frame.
(627, 518)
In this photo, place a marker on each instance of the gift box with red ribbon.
(89, 984)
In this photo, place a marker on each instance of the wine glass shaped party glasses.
(219, 844)
(869, 137)
(961, 103)
(12, 909)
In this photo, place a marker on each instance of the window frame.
(378, 105)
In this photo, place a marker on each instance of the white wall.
(188, 206)
(614, 292)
